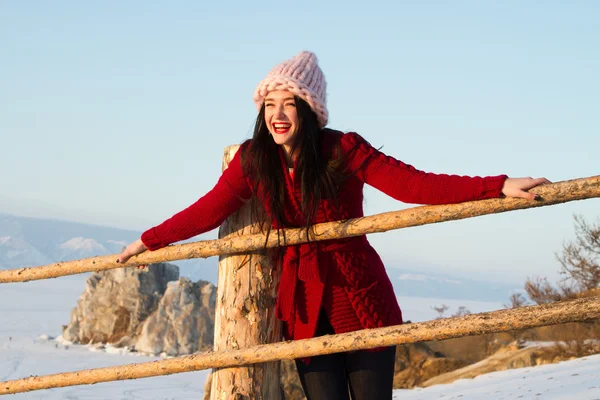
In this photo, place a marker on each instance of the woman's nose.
(279, 112)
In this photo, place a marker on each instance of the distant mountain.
(16, 252)
(27, 242)
(80, 247)
(32, 241)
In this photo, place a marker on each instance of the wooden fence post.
(245, 313)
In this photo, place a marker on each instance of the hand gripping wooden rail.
(555, 193)
(476, 324)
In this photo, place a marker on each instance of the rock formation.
(183, 323)
(416, 363)
(115, 303)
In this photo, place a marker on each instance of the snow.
(83, 244)
(30, 344)
(32, 315)
(118, 242)
(577, 379)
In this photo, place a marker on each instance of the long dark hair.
(319, 174)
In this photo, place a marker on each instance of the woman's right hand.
(131, 250)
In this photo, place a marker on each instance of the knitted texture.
(301, 76)
(345, 277)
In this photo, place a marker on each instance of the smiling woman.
(332, 286)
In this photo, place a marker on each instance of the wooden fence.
(499, 321)
(555, 193)
(440, 329)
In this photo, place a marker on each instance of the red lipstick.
(281, 127)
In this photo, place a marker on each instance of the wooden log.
(245, 311)
(475, 324)
(555, 193)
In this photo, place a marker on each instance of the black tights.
(360, 374)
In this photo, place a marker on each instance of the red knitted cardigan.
(346, 278)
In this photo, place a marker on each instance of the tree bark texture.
(245, 313)
(475, 324)
(555, 193)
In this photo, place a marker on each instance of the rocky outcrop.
(417, 363)
(116, 302)
(510, 357)
(183, 323)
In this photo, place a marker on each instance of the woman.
(301, 173)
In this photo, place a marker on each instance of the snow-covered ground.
(577, 379)
(31, 312)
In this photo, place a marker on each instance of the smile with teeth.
(281, 127)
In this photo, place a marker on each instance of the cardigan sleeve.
(207, 213)
(405, 183)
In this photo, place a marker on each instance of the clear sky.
(116, 113)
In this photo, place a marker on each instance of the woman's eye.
(291, 105)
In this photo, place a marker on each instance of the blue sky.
(116, 113)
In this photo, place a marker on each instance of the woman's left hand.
(516, 187)
(131, 250)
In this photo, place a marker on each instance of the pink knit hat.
(301, 76)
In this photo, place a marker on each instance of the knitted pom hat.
(302, 77)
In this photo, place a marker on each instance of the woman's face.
(281, 117)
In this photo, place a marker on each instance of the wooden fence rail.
(476, 324)
(556, 193)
